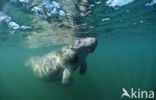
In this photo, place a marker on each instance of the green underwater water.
(124, 58)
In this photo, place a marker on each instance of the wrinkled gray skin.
(61, 63)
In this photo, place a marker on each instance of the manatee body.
(61, 63)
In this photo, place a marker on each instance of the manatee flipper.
(67, 76)
(83, 68)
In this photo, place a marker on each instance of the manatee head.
(85, 44)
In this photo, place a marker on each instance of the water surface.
(124, 58)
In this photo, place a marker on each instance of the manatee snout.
(86, 44)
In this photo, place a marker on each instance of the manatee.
(60, 64)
